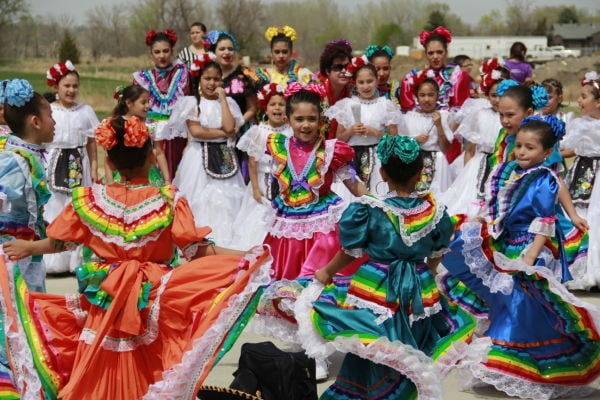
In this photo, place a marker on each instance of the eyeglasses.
(338, 67)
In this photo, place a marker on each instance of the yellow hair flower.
(271, 32)
(289, 32)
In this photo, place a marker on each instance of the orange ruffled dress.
(138, 328)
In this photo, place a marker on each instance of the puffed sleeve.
(304, 76)
(250, 142)
(341, 112)
(407, 98)
(12, 180)
(354, 229)
(68, 227)
(441, 236)
(342, 155)
(236, 112)
(185, 109)
(393, 116)
(543, 202)
(186, 235)
(90, 121)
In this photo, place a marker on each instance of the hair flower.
(201, 62)
(150, 36)
(57, 71)
(118, 92)
(557, 125)
(591, 78)
(342, 42)
(136, 132)
(18, 92)
(406, 148)
(105, 134)
(439, 31)
(170, 33)
(540, 97)
(213, 36)
(504, 85)
(295, 87)
(373, 48)
(355, 64)
(265, 93)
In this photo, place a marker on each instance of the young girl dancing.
(72, 156)
(138, 327)
(255, 214)
(362, 120)
(305, 230)
(583, 141)
(209, 176)
(546, 342)
(134, 101)
(23, 189)
(429, 126)
(389, 317)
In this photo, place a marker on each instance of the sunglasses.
(338, 67)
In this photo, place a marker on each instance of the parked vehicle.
(548, 53)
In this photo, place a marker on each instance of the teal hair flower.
(405, 148)
(373, 48)
(504, 85)
(18, 92)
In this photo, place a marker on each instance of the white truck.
(548, 53)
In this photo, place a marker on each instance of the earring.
(377, 191)
(56, 96)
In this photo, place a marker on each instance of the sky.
(465, 8)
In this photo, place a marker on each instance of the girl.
(255, 213)
(166, 82)
(209, 176)
(453, 82)
(389, 317)
(196, 49)
(4, 129)
(285, 68)
(138, 327)
(479, 126)
(555, 99)
(23, 189)
(72, 157)
(362, 119)
(306, 210)
(520, 71)
(429, 126)
(381, 58)
(545, 341)
(134, 101)
(583, 141)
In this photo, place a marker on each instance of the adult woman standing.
(454, 83)
(196, 49)
(285, 69)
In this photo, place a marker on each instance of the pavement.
(222, 373)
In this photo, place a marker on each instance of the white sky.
(470, 10)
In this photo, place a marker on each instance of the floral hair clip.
(118, 92)
(591, 78)
(557, 126)
(169, 33)
(200, 63)
(355, 64)
(57, 71)
(439, 31)
(418, 79)
(294, 87)
(213, 36)
(373, 48)
(342, 42)
(406, 148)
(266, 92)
(136, 133)
(286, 31)
(18, 92)
(504, 85)
(540, 97)
(490, 74)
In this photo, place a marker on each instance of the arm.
(432, 263)
(198, 131)
(251, 109)
(108, 173)
(253, 172)
(534, 250)
(356, 187)
(211, 250)
(469, 151)
(344, 134)
(339, 261)
(18, 249)
(442, 139)
(227, 121)
(564, 198)
(161, 160)
(93, 156)
(567, 153)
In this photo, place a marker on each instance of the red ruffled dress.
(138, 328)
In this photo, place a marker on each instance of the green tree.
(568, 15)
(68, 49)
(436, 18)
(389, 34)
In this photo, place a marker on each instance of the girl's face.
(46, 125)
(494, 98)
(210, 80)
(366, 84)
(197, 36)
(161, 54)
(139, 107)
(337, 72)
(554, 100)
(383, 67)
(281, 55)
(224, 52)
(436, 54)
(276, 110)
(427, 97)
(529, 150)
(511, 114)
(587, 103)
(304, 121)
(67, 90)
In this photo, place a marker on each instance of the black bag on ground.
(276, 374)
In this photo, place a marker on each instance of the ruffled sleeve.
(236, 112)
(407, 98)
(342, 155)
(342, 112)
(68, 227)
(185, 109)
(393, 116)
(544, 205)
(12, 179)
(446, 126)
(186, 235)
(441, 236)
(354, 229)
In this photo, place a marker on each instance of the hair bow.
(373, 48)
(439, 31)
(266, 92)
(136, 133)
(200, 63)
(57, 71)
(295, 87)
(342, 42)
(406, 148)
(355, 64)
(18, 92)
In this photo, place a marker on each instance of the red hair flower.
(590, 77)
(170, 33)
(355, 64)
(490, 74)
(439, 31)
(295, 87)
(150, 36)
(200, 63)
(57, 71)
(266, 92)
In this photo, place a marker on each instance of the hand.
(94, 175)
(359, 129)
(580, 223)
(436, 118)
(323, 276)
(17, 249)
(257, 195)
(221, 93)
(422, 138)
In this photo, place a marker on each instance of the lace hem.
(383, 312)
(543, 226)
(73, 304)
(408, 238)
(132, 343)
(180, 381)
(478, 263)
(582, 279)
(305, 228)
(275, 327)
(130, 214)
(427, 312)
(120, 241)
(345, 172)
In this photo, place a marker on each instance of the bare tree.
(245, 20)
(107, 31)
